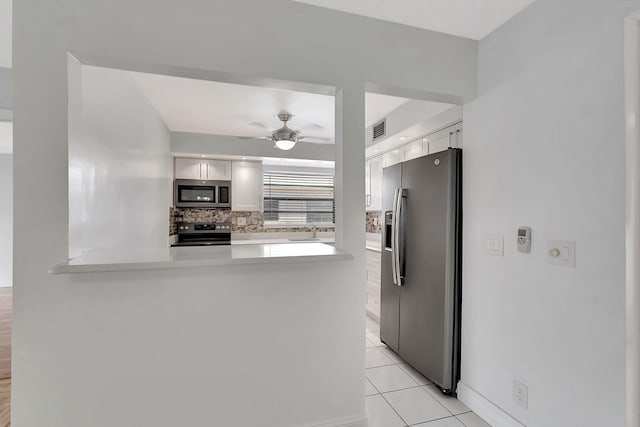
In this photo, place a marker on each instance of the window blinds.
(300, 199)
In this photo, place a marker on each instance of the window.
(298, 199)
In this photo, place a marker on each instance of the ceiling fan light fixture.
(285, 144)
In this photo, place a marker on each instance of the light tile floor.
(397, 395)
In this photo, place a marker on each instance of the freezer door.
(389, 291)
(428, 300)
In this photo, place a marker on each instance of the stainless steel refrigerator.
(421, 264)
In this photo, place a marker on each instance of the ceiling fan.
(286, 138)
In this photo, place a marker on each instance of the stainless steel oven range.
(203, 234)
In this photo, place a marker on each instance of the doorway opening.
(6, 266)
(408, 147)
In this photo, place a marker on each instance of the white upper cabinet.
(390, 158)
(373, 182)
(441, 140)
(246, 186)
(218, 169)
(459, 142)
(367, 184)
(411, 150)
(188, 169)
(204, 169)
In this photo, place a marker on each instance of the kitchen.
(228, 188)
(545, 86)
(225, 176)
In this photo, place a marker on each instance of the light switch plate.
(561, 252)
(494, 244)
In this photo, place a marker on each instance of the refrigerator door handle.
(402, 194)
(394, 234)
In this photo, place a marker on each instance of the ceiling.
(5, 33)
(472, 19)
(378, 106)
(6, 137)
(200, 106)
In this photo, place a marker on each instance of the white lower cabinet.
(373, 282)
(246, 186)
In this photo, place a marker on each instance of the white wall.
(6, 220)
(249, 345)
(544, 147)
(119, 163)
(6, 98)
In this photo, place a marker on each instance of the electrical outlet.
(520, 394)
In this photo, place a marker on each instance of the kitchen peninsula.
(207, 256)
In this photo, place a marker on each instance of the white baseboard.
(484, 408)
(359, 421)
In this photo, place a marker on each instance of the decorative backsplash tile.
(374, 221)
(241, 222)
(251, 222)
(174, 219)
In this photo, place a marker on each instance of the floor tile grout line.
(381, 366)
(394, 410)
(443, 405)
(435, 419)
(374, 386)
(424, 386)
(393, 391)
(461, 422)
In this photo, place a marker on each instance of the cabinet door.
(189, 169)
(390, 158)
(367, 184)
(375, 184)
(459, 142)
(440, 141)
(217, 169)
(246, 186)
(373, 283)
(411, 150)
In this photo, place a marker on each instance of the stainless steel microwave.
(195, 193)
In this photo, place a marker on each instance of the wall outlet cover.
(561, 252)
(242, 220)
(521, 394)
(494, 244)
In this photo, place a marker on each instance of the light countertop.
(279, 241)
(200, 256)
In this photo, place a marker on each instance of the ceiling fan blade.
(254, 137)
(317, 139)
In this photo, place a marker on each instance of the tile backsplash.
(241, 222)
(251, 222)
(374, 221)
